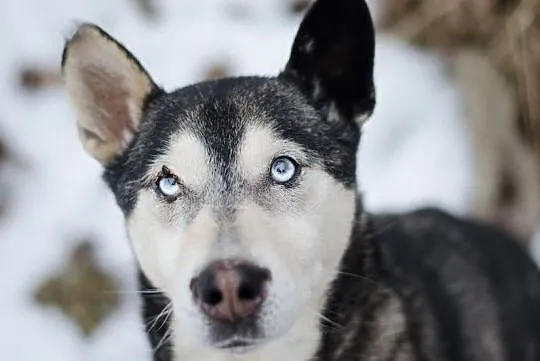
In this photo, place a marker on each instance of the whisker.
(365, 278)
(164, 313)
(163, 340)
(145, 292)
(324, 318)
(167, 318)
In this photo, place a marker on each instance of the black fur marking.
(333, 55)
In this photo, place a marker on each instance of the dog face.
(239, 194)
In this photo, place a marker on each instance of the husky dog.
(241, 205)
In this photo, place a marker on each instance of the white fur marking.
(186, 158)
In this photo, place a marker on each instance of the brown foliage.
(508, 30)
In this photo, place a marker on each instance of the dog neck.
(363, 318)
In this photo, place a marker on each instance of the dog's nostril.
(206, 289)
(212, 297)
(253, 280)
(246, 293)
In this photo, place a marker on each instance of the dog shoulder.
(431, 236)
(460, 281)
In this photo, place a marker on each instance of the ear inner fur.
(109, 89)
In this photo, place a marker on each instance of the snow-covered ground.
(414, 152)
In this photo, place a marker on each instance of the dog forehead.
(221, 113)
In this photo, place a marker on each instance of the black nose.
(230, 291)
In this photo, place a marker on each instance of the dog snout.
(230, 291)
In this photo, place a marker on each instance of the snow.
(415, 150)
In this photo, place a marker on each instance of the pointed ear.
(332, 59)
(108, 89)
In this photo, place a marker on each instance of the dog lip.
(237, 345)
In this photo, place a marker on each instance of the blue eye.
(168, 186)
(283, 169)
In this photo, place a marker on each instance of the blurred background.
(456, 126)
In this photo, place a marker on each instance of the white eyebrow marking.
(260, 145)
(187, 158)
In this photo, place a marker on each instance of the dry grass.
(507, 30)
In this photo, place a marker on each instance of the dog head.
(239, 194)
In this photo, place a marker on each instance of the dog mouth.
(237, 346)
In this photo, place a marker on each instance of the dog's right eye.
(168, 186)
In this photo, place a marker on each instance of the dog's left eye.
(168, 186)
(283, 169)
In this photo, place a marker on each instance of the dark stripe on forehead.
(219, 125)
